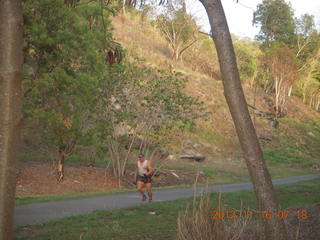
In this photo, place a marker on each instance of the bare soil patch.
(36, 178)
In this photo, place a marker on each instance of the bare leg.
(140, 189)
(148, 187)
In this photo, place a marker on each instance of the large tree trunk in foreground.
(10, 107)
(274, 227)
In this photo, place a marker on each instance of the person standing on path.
(144, 176)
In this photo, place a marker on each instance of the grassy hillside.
(295, 144)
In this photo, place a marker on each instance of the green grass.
(137, 223)
(291, 151)
(286, 171)
(307, 132)
(50, 198)
(219, 176)
(274, 157)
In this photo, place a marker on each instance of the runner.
(143, 177)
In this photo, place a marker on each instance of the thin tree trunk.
(274, 227)
(124, 7)
(290, 91)
(60, 165)
(10, 107)
(318, 104)
(127, 155)
(175, 54)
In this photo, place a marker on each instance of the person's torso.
(143, 167)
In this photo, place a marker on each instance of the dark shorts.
(143, 179)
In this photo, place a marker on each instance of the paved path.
(35, 213)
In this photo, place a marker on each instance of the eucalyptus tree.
(306, 36)
(273, 228)
(281, 65)
(308, 54)
(276, 21)
(10, 107)
(179, 29)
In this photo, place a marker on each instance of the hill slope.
(296, 142)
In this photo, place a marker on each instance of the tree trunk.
(274, 227)
(124, 7)
(60, 165)
(175, 54)
(290, 91)
(10, 106)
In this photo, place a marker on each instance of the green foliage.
(146, 101)
(305, 25)
(308, 40)
(64, 66)
(276, 21)
(72, 95)
(247, 58)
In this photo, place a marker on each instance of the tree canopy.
(276, 21)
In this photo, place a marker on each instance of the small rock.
(152, 213)
(196, 145)
(274, 123)
(311, 134)
(265, 136)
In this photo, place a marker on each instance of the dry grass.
(195, 223)
(143, 40)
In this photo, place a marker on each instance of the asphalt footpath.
(35, 213)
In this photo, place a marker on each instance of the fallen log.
(197, 157)
(266, 115)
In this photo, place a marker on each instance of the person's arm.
(150, 168)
